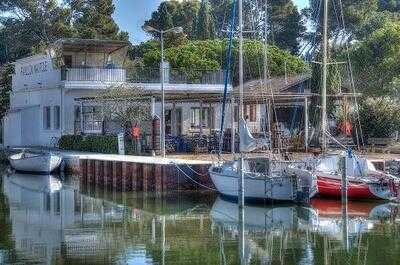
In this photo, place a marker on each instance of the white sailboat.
(262, 177)
(38, 162)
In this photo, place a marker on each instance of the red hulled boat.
(364, 181)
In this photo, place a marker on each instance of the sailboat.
(260, 177)
(364, 181)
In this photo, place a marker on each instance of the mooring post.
(114, 174)
(158, 176)
(124, 175)
(344, 202)
(153, 231)
(241, 197)
(106, 173)
(97, 172)
(306, 125)
(92, 165)
(232, 126)
(134, 176)
(82, 168)
(145, 177)
(164, 180)
(163, 236)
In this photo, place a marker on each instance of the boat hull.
(274, 188)
(43, 163)
(331, 187)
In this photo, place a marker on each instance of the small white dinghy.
(44, 162)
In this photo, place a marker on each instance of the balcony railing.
(143, 75)
(93, 74)
(175, 76)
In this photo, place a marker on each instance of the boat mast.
(241, 116)
(241, 110)
(266, 75)
(324, 78)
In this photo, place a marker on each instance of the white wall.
(186, 116)
(12, 129)
(35, 72)
(30, 127)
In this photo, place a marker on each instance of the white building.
(47, 88)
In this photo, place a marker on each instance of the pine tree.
(93, 20)
(32, 24)
(179, 14)
(165, 19)
(205, 22)
(286, 25)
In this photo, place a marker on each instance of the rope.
(196, 182)
(194, 171)
(335, 140)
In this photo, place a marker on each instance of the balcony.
(93, 74)
(175, 76)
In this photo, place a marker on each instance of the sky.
(131, 14)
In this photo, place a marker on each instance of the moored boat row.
(300, 181)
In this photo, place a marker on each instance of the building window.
(57, 117)
(92, 119)
(46, 118)
(236, 113)
(68, 61)
(250, 113)
(207, 117)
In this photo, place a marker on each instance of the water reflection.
(44, 220)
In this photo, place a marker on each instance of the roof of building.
(274, 86)
(91, 45)
(254, 92)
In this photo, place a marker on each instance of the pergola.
(255, 92)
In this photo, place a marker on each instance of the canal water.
(46, 220)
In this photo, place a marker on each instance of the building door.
(68, 61)
(173, 125)
(178, 115)
(168, 122)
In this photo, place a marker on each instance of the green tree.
(354, 13)
(211, 55)
(93, 20)
(380, 117)
(286, 25)
(208, 18)
(222, 15)
(205, 28)
(29, 25)
(375, 61)
(389, 5)
(176, 14)
(361, 17)
(5, 88)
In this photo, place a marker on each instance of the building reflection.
(54, 222)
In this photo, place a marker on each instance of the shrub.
(107, 144)
(380, 117)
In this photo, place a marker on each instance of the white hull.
(29, 162)
(281, 186)
(273, 188)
